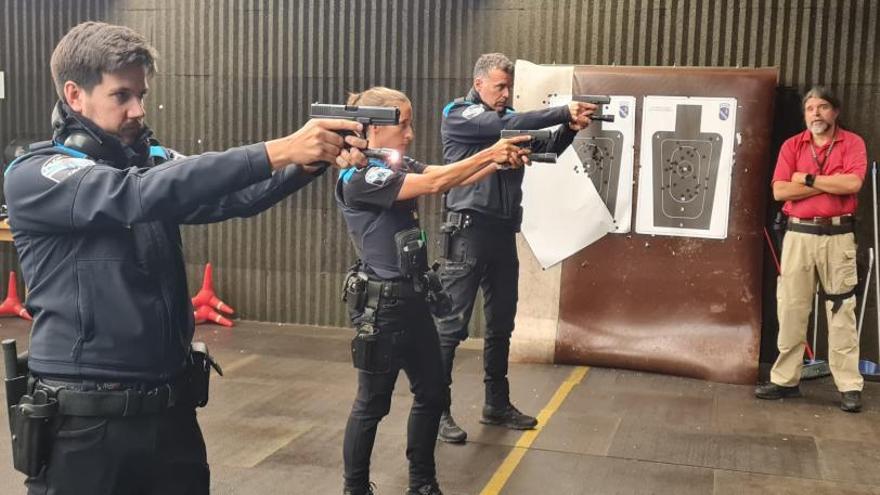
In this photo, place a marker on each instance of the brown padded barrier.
(677, 305)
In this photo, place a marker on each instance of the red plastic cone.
(11, 306)
(205, 314)
(207, 297)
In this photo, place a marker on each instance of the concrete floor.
(275, 423)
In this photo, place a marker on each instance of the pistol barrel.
(543, 157)
(594, 99)
(364, 114)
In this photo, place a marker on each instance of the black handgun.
(596, 100)
(365, 115)
(539, 136)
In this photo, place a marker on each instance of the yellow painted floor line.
(505, 470)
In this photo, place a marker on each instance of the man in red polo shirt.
(818, 175)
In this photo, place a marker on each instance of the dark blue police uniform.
(95, 224)
(387, 304)
(481, 221)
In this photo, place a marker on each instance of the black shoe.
(366, 490)
(772, 391)
(449, 431)
(507, 416)
(851, 401)
(429, 489)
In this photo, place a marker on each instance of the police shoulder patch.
(377, 175)
(60, 167)
(472, 111)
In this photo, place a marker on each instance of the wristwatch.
(809, 179)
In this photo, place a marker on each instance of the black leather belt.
(841, 220)
(88, 399)
(393, 289)
(471, 218)
(823, 226)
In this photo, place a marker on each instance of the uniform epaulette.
(460, 101)
(45, 148)
(346, 175)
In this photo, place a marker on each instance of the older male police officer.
(818, 175)
(95, 216)
(481, 223)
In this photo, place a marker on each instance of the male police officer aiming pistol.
(94, 216)
(481, 225)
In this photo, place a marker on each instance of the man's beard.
(130, 132)
(819, 127)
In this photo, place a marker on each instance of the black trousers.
(415, 350)
(140, 455)
(482, 257)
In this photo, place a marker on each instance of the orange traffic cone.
(12, 306)
(207, 297)
(205, 314)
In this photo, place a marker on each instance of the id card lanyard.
(821, 165)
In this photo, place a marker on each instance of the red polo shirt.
(848, 156)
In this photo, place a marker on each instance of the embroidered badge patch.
(60, 167)
(472, 111)
(377, 176)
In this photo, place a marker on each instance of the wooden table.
(5, 233)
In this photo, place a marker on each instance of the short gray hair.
(91, 49)
(489, 61)
(822, 93)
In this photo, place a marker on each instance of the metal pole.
(815, 321)
(865, 291)
(876, 250)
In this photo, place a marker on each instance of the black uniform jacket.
(101, 252)
(469, 126)
(368, 200)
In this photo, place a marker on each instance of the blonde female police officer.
(386, 294)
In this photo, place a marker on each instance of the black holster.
(33, 431)
(30, 414)
(412, 252)
(454, 224)
(439, 301)
(370, 348)
(198, 375)
(354, 289)
(371, 352)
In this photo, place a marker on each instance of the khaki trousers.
(833, 258)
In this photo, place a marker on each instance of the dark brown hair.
(822, 93)
(91, 49)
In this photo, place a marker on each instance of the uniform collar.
(94, 141)
(807, 136)
(473, 96)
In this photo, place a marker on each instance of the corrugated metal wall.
(28, 33)
(234, 72)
